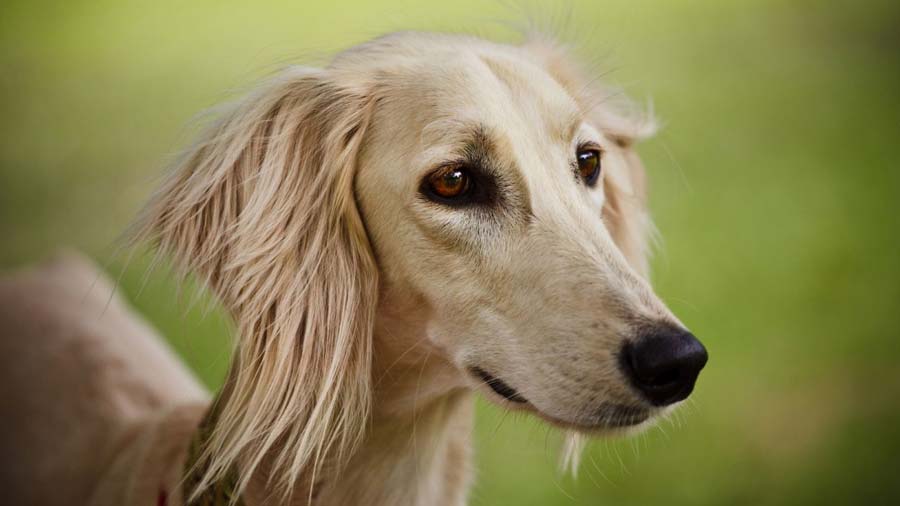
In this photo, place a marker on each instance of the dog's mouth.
(499, 386)
(607, 416)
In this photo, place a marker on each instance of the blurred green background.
(774, 185)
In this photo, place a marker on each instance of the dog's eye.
(588, 165)
(450, 182)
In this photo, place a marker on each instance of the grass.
(774, 186)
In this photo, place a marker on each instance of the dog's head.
(496, 187)
(489, 182)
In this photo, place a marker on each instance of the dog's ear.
(625, 211)
(262, 208)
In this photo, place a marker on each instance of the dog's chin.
(610, 419)
(614, 420)
(618, 420)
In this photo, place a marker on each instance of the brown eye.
(449, 182)
(588, 165)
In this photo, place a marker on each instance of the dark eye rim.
(591, 180)
(468, 195)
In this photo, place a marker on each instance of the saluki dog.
(426, 217)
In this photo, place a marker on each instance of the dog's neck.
(417, 449)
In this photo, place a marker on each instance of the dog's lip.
(499, 386)
(610, 416)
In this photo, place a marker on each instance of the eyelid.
(583, 145)
(436, 158)
(458, 156)
(447, 164)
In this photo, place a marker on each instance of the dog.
(428, 216)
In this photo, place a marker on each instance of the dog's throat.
(499, 386)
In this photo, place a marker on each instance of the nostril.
(664, 365)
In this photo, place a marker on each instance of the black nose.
(664, 364)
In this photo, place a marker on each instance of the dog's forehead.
(495, 87)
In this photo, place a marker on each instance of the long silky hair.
(262, 209)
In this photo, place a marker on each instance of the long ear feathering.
(625, 210)
(262, 209)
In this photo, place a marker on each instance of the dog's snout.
(664, 365)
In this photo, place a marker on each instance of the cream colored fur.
(361, 307)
